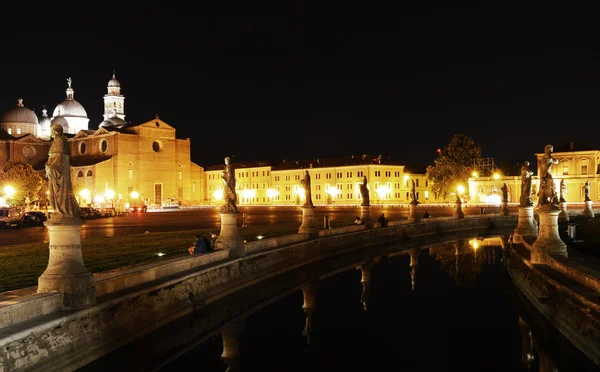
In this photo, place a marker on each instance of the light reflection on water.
(445, 306)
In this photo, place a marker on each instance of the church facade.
(119, 162)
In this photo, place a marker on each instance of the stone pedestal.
(587, 210)
(66, 273)
(413, 215)
(526, 225)
(548, 240)
(504, 209)
(458, 211)
(563, 216)
(309, 225)
(365, 215)
(229, 237)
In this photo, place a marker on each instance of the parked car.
(138, 209)
(10, 216)
(33, 218)
(89, 212)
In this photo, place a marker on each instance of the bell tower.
(114, 101)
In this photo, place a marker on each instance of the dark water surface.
(460, 313)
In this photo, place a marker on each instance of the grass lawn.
(22, 264)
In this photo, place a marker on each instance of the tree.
(454, 165)
(25, 180)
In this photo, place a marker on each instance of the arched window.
(79, 174)
(89, 173)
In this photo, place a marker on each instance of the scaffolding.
(485, 165)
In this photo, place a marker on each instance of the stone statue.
(306, 184)
(364, 192)
(228, 176)
(504, 189)
(546, 194)
(413, 193)
(563, 191)
(586, 190)
(526, 174)
(58, 171)
(69, 81)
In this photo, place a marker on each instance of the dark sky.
(308, 80)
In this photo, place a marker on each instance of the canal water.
(448, 306)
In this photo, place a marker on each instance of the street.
(208, 218)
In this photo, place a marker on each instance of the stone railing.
(134, 301)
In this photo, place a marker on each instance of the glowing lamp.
(9, 191)
(218, 194)
(271, 193)
(135, 194)
(460, 189)
(85, 193)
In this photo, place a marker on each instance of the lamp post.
(9, 191)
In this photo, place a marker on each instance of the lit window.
(18, 130)
(131, 174)
(180, 175)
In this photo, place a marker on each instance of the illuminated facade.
(575, 167)
(333, 182)
(118, 162)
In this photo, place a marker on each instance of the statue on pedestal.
(413, 193)
(306, 184)
(526, 174)
(547, 193)
(364, 192)
(563, 191)
(58, 171)
(504, 189)
(586, 190)
(229, 194)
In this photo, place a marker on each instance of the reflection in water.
(231, 334)
(463, 260)
(469, 321)
(365, 279)
(414, 265)
(309, 292)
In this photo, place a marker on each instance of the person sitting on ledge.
(199, 245)
(382, 220)
(426, 215)
(358, 221)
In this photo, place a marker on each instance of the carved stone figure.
(413, 193)
(547, 187)
(306, 184)
(504, 189)
(364, 192)
(563, 191)
(69, 81)
(586, 190)
(58, 171)
(230, 196)
(526, 174)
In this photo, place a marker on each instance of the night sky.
(316, 81)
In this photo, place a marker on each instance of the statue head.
(526, 163)
(227, 160)
(548, 149)
(57, 129)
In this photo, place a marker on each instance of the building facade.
(333, 182)
(119, 162)
(574, 167)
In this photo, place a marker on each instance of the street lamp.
(85, 195)
(9, 191)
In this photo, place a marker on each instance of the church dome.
(114, 82)
(20, 114)
(60, 121)
(105, 123)
(70, 107)
(115, 120)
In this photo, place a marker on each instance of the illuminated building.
(334, 181)
(117, 159)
